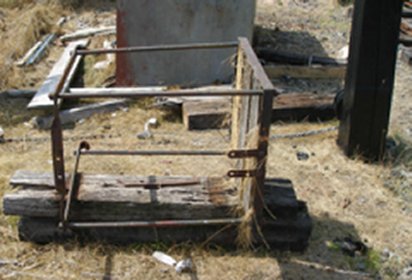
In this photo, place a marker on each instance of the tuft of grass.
(11, 4)
(24, 28)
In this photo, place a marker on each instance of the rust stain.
(124, 69)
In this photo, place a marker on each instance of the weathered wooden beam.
(84, 33)
(279, 234)
(20, 93)
(289, 231)
(370, 78)
(73, 115)
(272, 55)
(301, 106)
(211, 114)
(286, 107)
(28, 54)
(41, 100)
(123, 198)
(311, 72)
(40, 50)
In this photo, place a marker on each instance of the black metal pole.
(370, 78)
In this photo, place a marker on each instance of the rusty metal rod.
(234, 154)
(173, 47)
(82, 146)
(172, 93)
(144, 224)
(153, 153)
(71, 188)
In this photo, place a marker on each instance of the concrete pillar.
(153, 22)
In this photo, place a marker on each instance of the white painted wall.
(152, 22)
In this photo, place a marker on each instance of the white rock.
(166, 259)
(343, 53)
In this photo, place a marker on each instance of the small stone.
(184, 266)
(302, 156)
(386, 254)
(406, 274)
(1, 135)
(361, 266)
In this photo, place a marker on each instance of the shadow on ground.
(320, 261)
(302, 43)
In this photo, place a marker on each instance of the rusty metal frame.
(265, 91)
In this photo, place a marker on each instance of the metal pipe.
(172, 93)
(173, 47)
(145, 224)
(153, 153)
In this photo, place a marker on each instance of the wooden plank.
(41, 100)
(25, 178)
(289, 231)
(253, 61)
(199, 115)
(286, 107)
(370, 78)
(301, 106)
(236, 133)
(258, 80)
(105, 30)
(28, 54)
(311, 72)
(73, 115)
(20, 93)
(272, 55)
(124, 90)
(122, 198)
(39, 52)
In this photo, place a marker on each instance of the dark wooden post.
(370, 78)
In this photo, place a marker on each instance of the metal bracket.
(243, 173)
(243, 153)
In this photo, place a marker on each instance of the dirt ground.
(369, 202)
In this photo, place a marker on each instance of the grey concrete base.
(153, 22)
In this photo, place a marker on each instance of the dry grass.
(23, 29)
(327, 181)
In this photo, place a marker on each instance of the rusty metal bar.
(72, 189)
(244, 153)
(145, 224)
(153, 153)
(130, 93)
(57, 140)
(243, 173)
(173, 47)
(231, 154)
